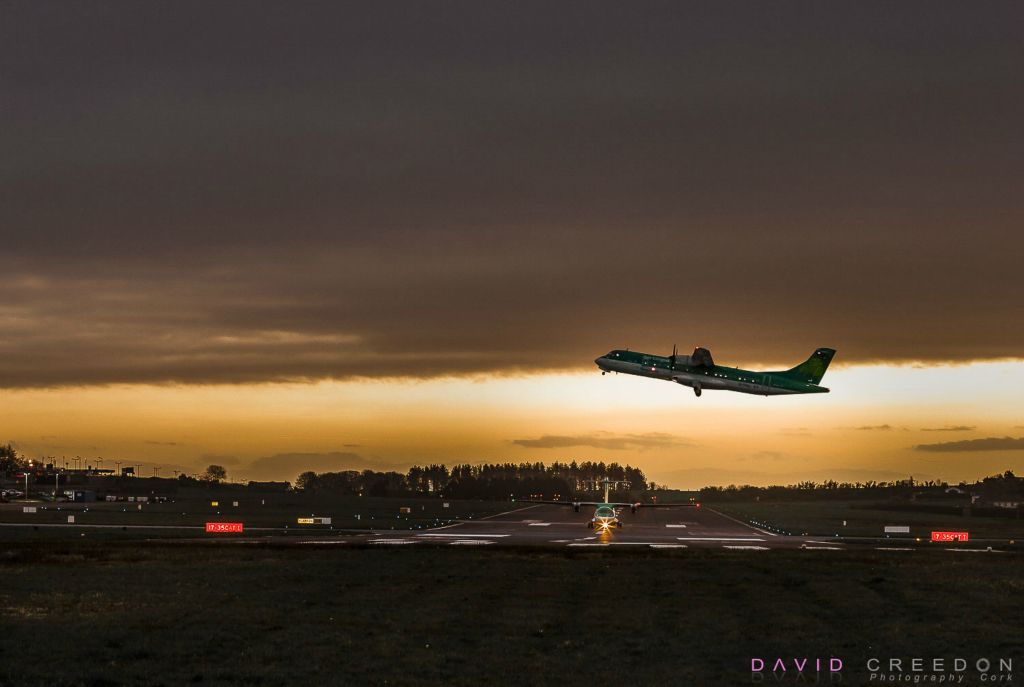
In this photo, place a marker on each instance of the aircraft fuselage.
(701, 377)
(606, 516)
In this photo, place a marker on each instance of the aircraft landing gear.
(696, 389)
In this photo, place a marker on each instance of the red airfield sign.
(949, 536)
(219, 527)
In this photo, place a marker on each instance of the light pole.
(26, 486)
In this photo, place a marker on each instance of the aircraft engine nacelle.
(576, 507)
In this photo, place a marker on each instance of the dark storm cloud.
(950, 428)
(606, 440)
(986, 444)
(762, 456)
(254, 192)
(217, 459)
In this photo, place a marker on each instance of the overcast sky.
(251, 191)
(313, 193)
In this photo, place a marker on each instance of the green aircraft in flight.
(700, 372)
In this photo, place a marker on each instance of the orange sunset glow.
(879, 423)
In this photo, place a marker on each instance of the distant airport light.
(949, 536)
(222, 527)
(214, 503)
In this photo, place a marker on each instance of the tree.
(10, 461)
(215, 473)
(306, 480)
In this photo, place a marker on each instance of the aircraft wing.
(633, 506)
(661, 505)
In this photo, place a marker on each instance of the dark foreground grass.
(81, 614)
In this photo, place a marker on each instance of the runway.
(560, 526)
(553, 526)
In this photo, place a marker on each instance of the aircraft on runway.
(700, 372)
(606, 513)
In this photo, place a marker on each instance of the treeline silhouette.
(488, 481)
(829, 489)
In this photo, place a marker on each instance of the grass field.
(277, 510)
(826, 518)
(87, 614)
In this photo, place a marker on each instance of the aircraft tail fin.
(813, 369)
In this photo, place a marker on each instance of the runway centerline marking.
(675, 525)
(540, 524)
